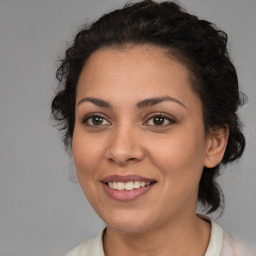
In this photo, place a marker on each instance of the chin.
(127, 228)
(129, 223)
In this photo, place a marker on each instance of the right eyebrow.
(95, 101)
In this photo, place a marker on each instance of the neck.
(183, 236)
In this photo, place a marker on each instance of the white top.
(221, 244)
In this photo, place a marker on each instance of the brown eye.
(95, 120)
(160, 120)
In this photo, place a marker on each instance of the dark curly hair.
(198, 44)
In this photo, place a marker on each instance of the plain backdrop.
(42, 212)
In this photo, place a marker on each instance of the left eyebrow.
(154, 101)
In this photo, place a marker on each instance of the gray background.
(41, 211)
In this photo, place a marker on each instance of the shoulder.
(91, 247)
(222, 243)
(233, 247)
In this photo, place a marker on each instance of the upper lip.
(126, 178)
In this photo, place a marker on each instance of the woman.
(148, 101)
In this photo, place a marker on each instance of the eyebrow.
(141, 104)
(154, 101)
(95, 101)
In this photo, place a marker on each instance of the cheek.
(178, 150)
(87, 153)
(180, 160)
(180, 174)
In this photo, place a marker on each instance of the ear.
(217, 140)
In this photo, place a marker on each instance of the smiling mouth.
(130, 185)
(126, 188)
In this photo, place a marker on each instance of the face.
(139, 145)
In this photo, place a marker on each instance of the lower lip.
(126, 195)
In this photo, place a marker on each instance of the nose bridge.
(125, 144)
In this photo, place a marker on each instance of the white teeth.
(120, 185)
(136, 184)
(130, 185)
(110, 184)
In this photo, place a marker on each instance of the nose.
(125, 146)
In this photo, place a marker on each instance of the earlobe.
(216, 146)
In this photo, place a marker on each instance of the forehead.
(140, 71)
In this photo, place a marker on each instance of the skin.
(163, 221)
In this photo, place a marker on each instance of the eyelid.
(170, 118)
(87, 117)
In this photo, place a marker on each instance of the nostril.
(131, 159)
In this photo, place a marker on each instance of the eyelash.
(87, 118)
